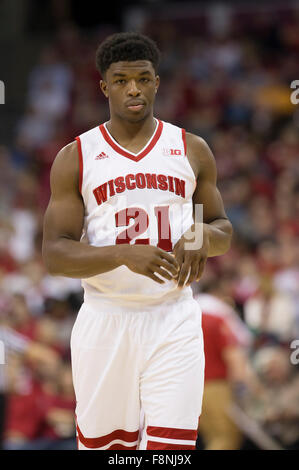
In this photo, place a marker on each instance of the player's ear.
(157, 83)
(104, 88)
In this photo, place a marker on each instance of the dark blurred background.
(225, 74)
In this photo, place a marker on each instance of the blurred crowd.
(233, 89)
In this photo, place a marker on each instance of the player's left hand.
(192, 261)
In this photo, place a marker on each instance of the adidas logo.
(101, 156)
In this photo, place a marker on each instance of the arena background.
(226, 75)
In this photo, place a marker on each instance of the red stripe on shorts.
(151, 445)
(121, 447)
(95, 442)
(172, 433)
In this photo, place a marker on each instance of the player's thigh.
(172, 390)
(105, 376)
(171, 386)
(171, 397)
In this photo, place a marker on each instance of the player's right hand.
(148, 260)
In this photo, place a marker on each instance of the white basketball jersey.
(143, 198)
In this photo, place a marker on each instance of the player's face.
(131, 88)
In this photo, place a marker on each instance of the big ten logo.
(169, 152)
(2, 353)
(295, 93)
(2, 92)
(294, 358)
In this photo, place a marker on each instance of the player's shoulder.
(67, 158)
(171, 128)
(66, 163)
(67, 154)
(199, 150)
(193, 141)
(196, 142)
(89, 133)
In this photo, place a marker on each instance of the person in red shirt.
(225, 341)
(41, 416)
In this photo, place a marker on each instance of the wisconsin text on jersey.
(140, 181)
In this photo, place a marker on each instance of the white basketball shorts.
(138, 376)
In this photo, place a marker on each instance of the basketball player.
(120, 214)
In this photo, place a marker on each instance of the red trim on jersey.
(95, 442)
(172, 433)
(184, 141)
(121, 447)
(128, 154)
(151, 445)
(80, 163)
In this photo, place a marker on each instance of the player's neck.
(125, 131)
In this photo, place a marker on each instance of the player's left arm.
(216, 228)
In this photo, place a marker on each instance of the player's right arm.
(65, 255)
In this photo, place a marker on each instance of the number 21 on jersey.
(141, 223)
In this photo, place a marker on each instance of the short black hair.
(126, 47)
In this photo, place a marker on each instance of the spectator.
(274, 399)
(226, 341)
(16, 349)
(270, 314)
